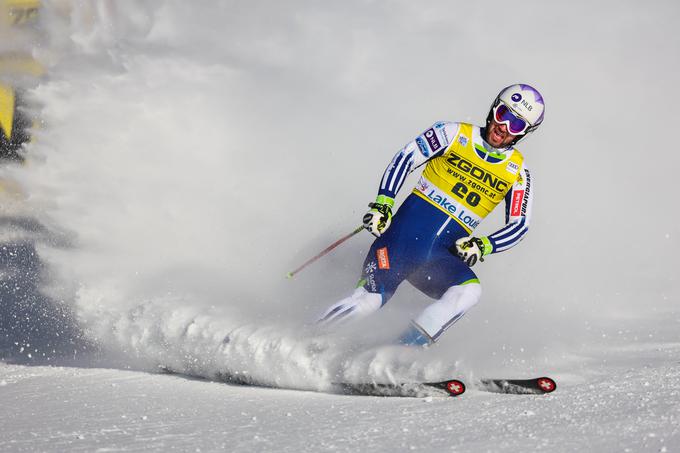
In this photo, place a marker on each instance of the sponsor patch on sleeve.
(422, 184)
(517, 198)
(383, 258)
(422, 146)
(432, 140)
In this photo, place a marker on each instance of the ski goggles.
(516, 124)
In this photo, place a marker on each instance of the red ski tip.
(546, 384)
(455, 387)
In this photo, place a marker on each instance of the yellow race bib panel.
(465, 183)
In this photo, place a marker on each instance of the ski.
(451, 387)
(534, 386)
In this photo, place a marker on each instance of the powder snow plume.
(186, 157)
(156, 204)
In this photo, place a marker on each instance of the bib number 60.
(471, 197)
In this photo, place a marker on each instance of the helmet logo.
(516, 97)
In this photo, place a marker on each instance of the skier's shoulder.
(519, 157)
(437, 137)
(447, 129)
(523, 179)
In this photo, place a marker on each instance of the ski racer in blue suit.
(468, 171)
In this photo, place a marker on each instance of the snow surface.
(628, 405)
(188, 157)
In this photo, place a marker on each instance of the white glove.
(378, 219)
(469, 249)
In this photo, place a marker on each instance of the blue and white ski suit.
(463, 180)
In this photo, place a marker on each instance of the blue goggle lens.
(516, 125)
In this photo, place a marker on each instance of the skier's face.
(497, 135)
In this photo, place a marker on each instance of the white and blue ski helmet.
(524, 101)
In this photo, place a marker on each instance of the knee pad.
(360, 304)
(441, 315)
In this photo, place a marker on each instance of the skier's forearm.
(505, 238)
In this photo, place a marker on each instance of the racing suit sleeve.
(428, 145)
(518, 204)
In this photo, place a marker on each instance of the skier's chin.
(495, 139)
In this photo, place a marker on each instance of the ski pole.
(325, 251)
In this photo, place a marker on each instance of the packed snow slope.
(616, 404)
(189, 155)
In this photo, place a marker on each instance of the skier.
(468, 171)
